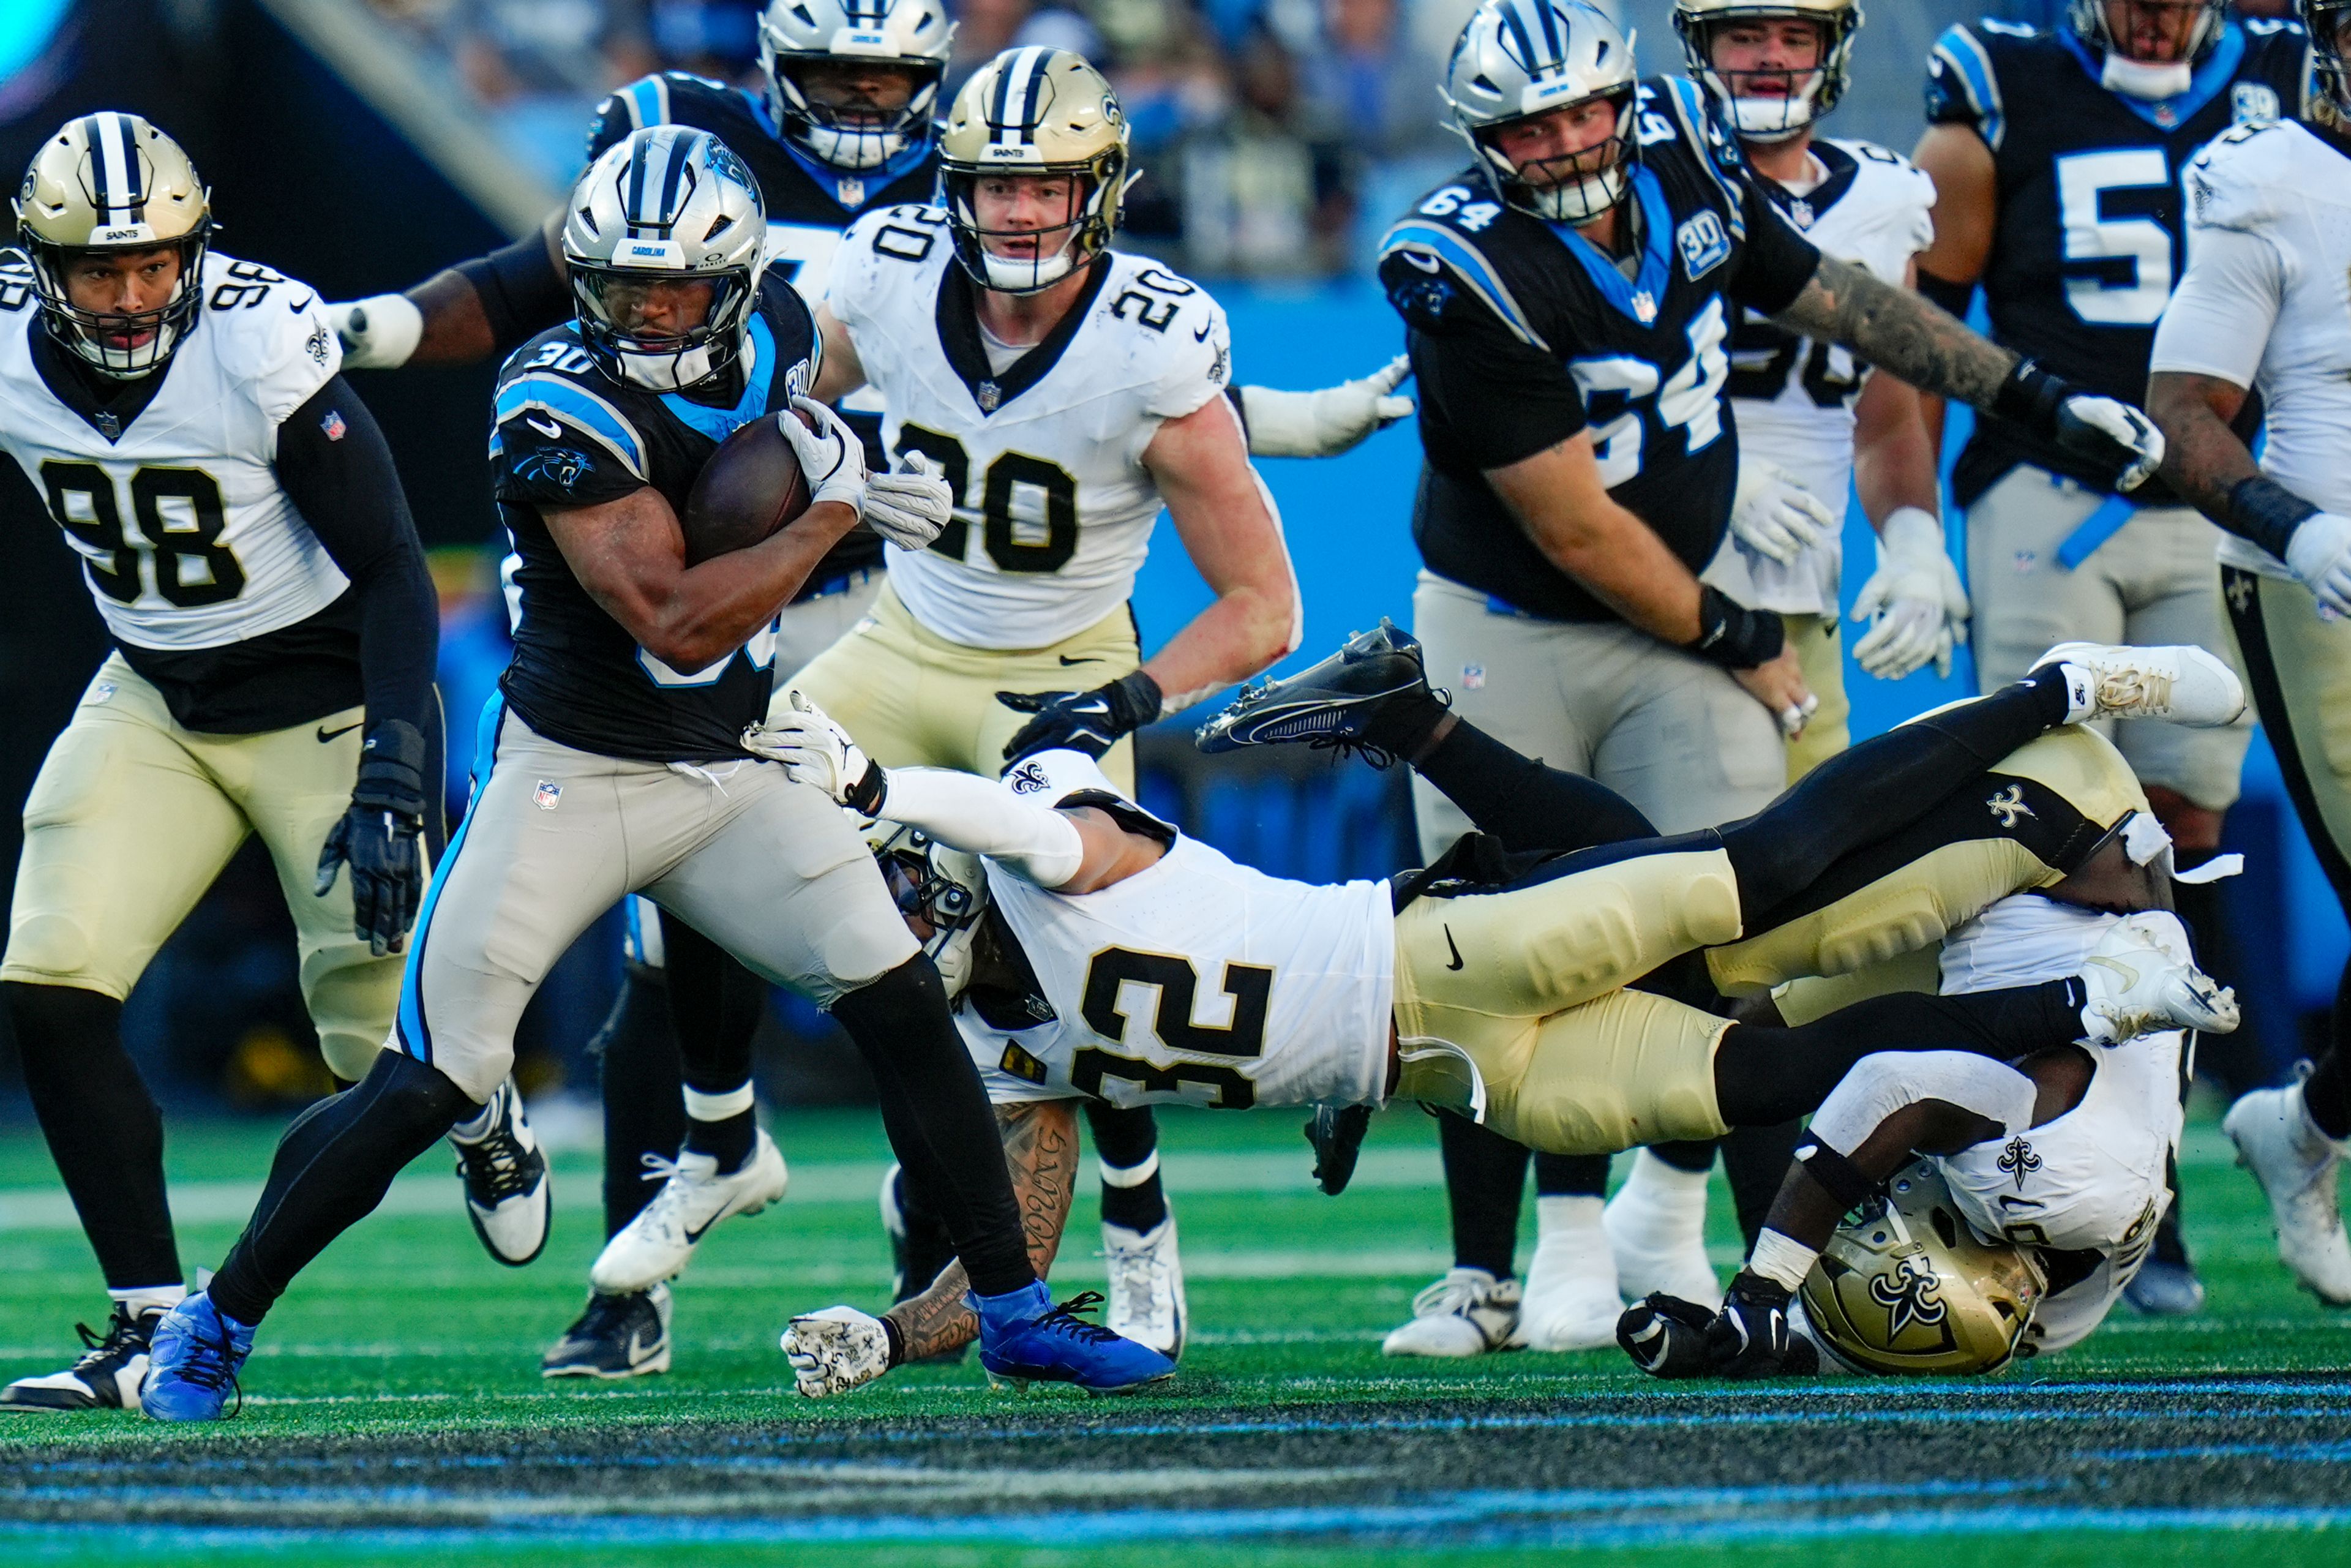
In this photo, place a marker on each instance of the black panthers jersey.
(809, 205)
(568, 435)
(2090, 233)
(1522, 333)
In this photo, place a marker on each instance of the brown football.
(751, 486)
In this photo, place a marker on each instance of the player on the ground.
(611, 764)
(2056, 159)
(2049, 1170)
(1568, 301)
(1070, 390)
(1495, 989)
(245, 540)
(2261, 311)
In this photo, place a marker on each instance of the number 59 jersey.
(1054, 507)
(1196, 980)
(187, 542)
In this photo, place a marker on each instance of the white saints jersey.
(2263, 303)
(2092, 1178)
(1195, 980)
(1796, 396)
(186, 539)
(1054, 507)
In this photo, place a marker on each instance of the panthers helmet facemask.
(1806, 94)
(946, 889)
(2148, 79)
(2328, 22)
(1039, 114)
(666, 206)
(1908, 1287)
(1520, 59)
(912, 35)
(113, 183)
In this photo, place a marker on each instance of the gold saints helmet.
(1794, 104)
(111, 182)
(1909, 1289)
(1034, 111)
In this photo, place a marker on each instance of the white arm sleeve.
(967, 812)
(2219, 322)
(1880, 1085)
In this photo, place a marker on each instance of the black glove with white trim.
(377, 838)
(1092, 722)
(2104, 431)
(1751, 1336)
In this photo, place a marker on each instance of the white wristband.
(380, 333)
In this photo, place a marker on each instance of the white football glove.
(1327, 422)
(2319, 554)
(1773, 515)
(818, 752)
(832, 459)
(909, 507)
(1914, 597)
(2109, 430)
(379, 332)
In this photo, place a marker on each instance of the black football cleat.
(617, 1336)
(507, 1195)
(107, 1375)
(1330, 703)
(1666, 1336)
(1337, 1134)
(1752, 1338)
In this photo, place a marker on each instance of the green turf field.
(394, 1412)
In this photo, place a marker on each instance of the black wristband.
(1747, 1285)
(2030, 396)
(391, 769)
(1835, 1173)
(1954, 297)
(865, 796)
(1135, 700)
(890, 1332)
(1733, 636)
(2266, 512)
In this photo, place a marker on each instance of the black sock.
(1403, 723)
(102, 1127)
(2327, 1090)
(1755, 1161)
(1571, 1175)
(1485, 1182)
(1527, 806)
(715, 1004)
(645, 1092)
(1690, 1155)
(1126, 1141)
(331, 1168)
(939, 1121)
(2170, 1243)
(1764, 1075)
(729, 1140)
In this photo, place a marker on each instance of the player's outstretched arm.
(1327, 422)
(470, 312)
(1966, 217)
(1041, 1147)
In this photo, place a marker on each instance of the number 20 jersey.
(1054, 507)
(187, 542)
(2089, 237)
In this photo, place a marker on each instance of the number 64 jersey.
(1054, 507)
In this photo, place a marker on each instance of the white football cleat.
(1570, 1302)
(2295, 1164)
(1656, 1229)
(2184, 683)
(1146, 1286)
(508, 1193)
(2141, 980)
(836, 1349)
(1468, 1312)
(660, 1241)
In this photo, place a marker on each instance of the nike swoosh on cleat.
(325, 735)
(1451, 948)
(693, 1237)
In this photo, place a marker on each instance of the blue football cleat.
(193, 1362)
(1024, 1338)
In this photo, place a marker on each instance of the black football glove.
(1337, 1134)
(1752, 1337)
(376, 837)
(1092, 722)
(1666, 1336)
(2104, 431)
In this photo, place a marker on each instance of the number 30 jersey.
(187, 540)
(1054, 507)
(1196, 980)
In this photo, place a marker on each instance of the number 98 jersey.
(1054, 507)
(186, 539)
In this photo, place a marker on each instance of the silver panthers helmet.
(668, 205)
(944, 888)
(2088, 20)
(912, 34)
(1517, 59)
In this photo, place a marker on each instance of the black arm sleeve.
(522, 291)
(1777, 262)
(334, 467)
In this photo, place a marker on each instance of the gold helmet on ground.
(111, 182)
(1768, 106)
(1034, 111)
(946, 889)
(1908, 1287)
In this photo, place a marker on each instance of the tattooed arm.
(1900, 332)
(1040, 1145)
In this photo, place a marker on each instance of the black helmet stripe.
(1514, 20)
(117, 190)
(1017, 110)
(1550, 19)
(655, 171)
